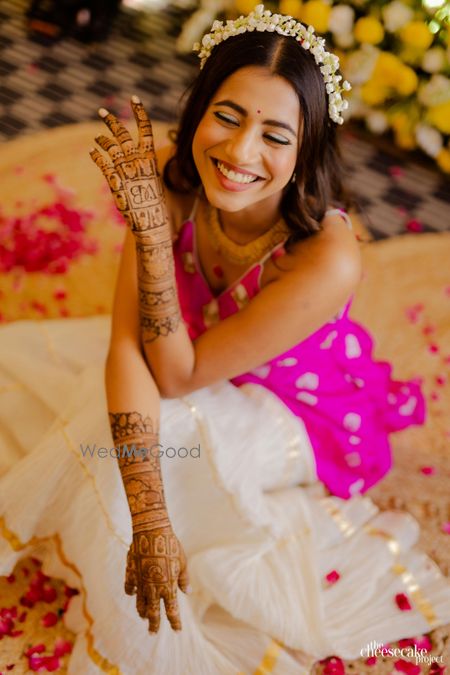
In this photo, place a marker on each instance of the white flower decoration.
(263, 20)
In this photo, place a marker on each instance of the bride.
(208, 449)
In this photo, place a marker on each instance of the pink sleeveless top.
(347, 401)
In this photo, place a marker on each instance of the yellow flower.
(369, 30)
(443, 160)
(291, 8)
(374, 93)
(439, 117)
(399, 121)
(405, 140)
(245, 6)
(416, 34)
(387, 69)
(317, 14)
(407, 81)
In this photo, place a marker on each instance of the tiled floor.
(44, 84)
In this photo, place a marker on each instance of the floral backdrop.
(395, 53)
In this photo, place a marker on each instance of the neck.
(249, 223)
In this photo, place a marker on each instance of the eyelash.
(224, 118)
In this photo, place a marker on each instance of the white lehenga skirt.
(259, 534)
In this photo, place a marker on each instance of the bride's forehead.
(257, 87)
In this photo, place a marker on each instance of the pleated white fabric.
(258, 532)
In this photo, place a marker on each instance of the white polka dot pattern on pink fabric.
(261, 371)
(306, 397)
(307, 381)
(356, 487)
(352, 346)
(408, 407)
(326, 344)
(288, 362)
(352, 421)
(354, 440)
(353, 458)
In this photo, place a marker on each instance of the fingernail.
(103, 112)
(135, 99)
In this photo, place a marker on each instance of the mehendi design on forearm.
(138, 192)
(156, 563)
(158, 296)
(136, 439)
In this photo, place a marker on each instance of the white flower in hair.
(263, 20)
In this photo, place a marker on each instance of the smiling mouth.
(235, 176)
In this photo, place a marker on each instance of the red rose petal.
(37, 649)
(62, 647)
(428, 470)
(371, 661)
(414, 225)
(407, 667)
(333, 666)
(436, 669)
(333, 576)
(433, 348)
(49, 619)
(402, 602)
(11, 579)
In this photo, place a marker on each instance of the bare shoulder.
(179, 205)
(333, 253)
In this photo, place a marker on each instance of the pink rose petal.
(396, 171)
(428, 470)
(62, 647)
(414, 226)
(407, 667)
(402, 602)
(333, 666)
(332, 577)
(371, 661)
(37, 649)
(49, 619)
(446, 527)
(433, 348)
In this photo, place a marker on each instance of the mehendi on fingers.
(137, 189)
(156, 563)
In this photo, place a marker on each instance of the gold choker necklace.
(244, 254)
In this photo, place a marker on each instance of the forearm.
(167, 346)
(133, 408)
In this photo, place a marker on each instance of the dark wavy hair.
(319, 167)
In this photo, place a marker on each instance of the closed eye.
(223, 117)
(226, 118)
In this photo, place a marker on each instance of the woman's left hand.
(132, 174)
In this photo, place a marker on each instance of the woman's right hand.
(156, 567)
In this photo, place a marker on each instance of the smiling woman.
(230, 331)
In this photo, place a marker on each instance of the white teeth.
(235, 177)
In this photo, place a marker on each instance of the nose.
(242, 147)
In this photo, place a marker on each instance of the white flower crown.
(263, 20)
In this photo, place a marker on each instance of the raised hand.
(132, 174)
